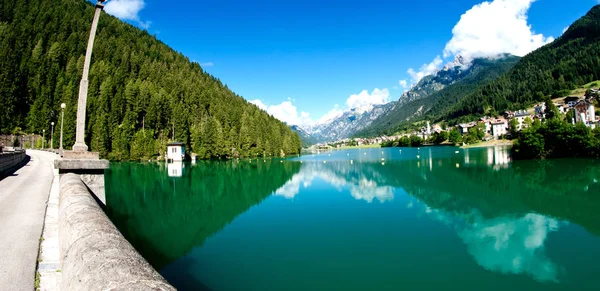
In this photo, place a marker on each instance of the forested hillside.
(569, 62)
(433, 105)
(141, 91)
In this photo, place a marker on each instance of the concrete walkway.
(23, 198)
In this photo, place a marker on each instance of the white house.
(520, 116)
(499, 127)
(175, 152)
(585, 112)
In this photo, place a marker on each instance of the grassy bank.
(491, 143)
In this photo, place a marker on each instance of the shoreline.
(491, 143)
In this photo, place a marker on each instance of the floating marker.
(383, 163)
(351, 162)
(418, 157)
(324, 162)
(300, 162)
(457, 165)
(457, 152)
(382, 159)
(365, 154)
(282, 161)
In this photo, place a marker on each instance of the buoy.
(382, 159)
(300, 162)
(457, 165)
(457, 152)
(324, 162)
(351, 162)
(365, 154)
(418, 157)
(383, 163)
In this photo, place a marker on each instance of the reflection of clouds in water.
(368, 190)
(509, 245)
(363, 189)
(292, 187)
(513, 245)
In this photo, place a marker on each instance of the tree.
(440, 137)
(454, 136)
(514, 127)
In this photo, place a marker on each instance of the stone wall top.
(94, 254)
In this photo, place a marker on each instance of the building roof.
(175, 143)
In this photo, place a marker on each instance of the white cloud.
(333, 113)
(127, 10)
(403, 83)
(493, 28)
(207, 64)
(286, 112)
(567, 28)
(259, 104)
(425, 70)
(364, 101)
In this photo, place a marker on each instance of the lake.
(365, 219)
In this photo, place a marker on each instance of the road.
(23, 198)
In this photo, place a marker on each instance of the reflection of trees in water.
(164, 218)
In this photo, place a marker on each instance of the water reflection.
(500, 213)
(509, 245)
(338, 175)
(503, 212)
(165, 218)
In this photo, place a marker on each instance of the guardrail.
(94, 254)
(11, 160)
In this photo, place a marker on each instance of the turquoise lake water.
(437, 218)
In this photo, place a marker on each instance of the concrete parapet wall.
(94, 254)
(10, 160)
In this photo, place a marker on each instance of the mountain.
(346, 124)
(305, 137)
(434, 94)
(141, 92)
(430, 84)
(565, 64)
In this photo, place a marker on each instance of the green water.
(371, 219)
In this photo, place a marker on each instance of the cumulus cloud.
(426, 70)
(364, 101)
(127, 10)
(286, 112)
(403, 83)
(493, 28)
(333, 113)
(207, 64)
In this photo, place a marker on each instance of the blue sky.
(305, 61)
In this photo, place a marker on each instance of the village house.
(463, 128)
(585, 112)
(521, 116)
(499, 127)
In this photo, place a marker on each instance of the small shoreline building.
(175, 152)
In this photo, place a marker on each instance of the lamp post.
(52, 136)
(62, 120)
(80, 145)
(43, 138)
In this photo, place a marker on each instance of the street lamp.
(52, 136)
(80, 145)
(62, 120)
(43, 138)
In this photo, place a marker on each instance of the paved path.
(23, 198)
